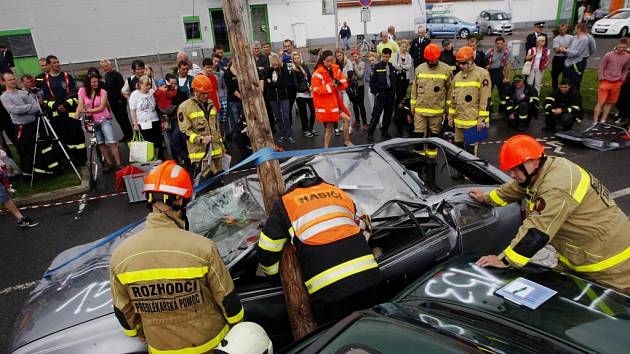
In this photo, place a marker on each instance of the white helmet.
(245, 338)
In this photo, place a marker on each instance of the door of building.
(219, 29)
(260, 23)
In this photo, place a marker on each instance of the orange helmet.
(518, 149)
(169, 178)
(201, 83)
(432, 52)
(465, 53)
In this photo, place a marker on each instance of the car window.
(228, 215)
(437, 20)
(500, 16)
(450, 20)
(619, 15)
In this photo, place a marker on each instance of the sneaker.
(315, 132)
(280, 140)
(337, 132)
(308, 134)
(291, 140)
(27, 222)
(348, 144)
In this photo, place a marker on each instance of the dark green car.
(454, 310)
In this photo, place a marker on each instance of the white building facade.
(88, 30)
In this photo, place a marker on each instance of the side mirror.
(455, 22)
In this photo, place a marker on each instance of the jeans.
(307, 121)
(345, 42)
(236, 110)
(26, 145)
(281, 115)
(574, 74)
(105, 132)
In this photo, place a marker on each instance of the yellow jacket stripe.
(468, 84)
(269, 244)
(339, 272)
(272, 269)
(162, 273)
(432, 76)
(484, 113)
(599, 266)
(236, 318)
(206, 347)
(466, 123)
(198, 114)
(192, 137)
(133, 332)
(520, 260)
(494, 196)
(429, 110)
(582, 187)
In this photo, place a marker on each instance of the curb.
(57, 194)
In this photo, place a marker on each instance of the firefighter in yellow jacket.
(170, 286)
(568, 208)
(197, 119)
(429, 96)
(317, 219)
(469, 96)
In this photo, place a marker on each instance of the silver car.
(494, 22)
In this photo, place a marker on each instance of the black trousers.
(557, 68)
(384, 103)
(292, 93)
(272, 123)
(120, 113)
(307, 121)
(565, 120)
(575, 73)
(496, 76)
(325, 311)
(524, 112)
(358, 106)
(26, 135)
(70, 133)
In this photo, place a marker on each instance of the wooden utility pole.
(296, 297)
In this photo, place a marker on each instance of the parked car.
(419, 218)
(614, 24)
(494, 22)
(454, 309)
(450, 26)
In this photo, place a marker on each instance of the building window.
(19, 42)
(328, 7)
(192, 28)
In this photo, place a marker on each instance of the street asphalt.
(26, 254)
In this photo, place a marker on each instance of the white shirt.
(536, 63)
(144, 105)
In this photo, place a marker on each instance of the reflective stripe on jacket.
(196, 121)
(469, 96)
(179, 293)
(430, 89)
(318, 219)
(326, 98)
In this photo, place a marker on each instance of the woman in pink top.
(93, 103)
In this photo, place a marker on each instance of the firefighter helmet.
(465, 53)
(245, 338)
(432, 52)
(169, 178)
(202, 84)
(518, 149)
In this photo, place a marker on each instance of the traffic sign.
(365, 3)
(365, 14)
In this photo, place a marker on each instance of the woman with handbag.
(93, 104)
(326, 83)
(539, 57)
(304, 98)
(144, 116)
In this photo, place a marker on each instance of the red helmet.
(518, 149)
(465, 53)
(202, 84)
(169, 178)
(432, 52)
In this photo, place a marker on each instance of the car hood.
(608, 22)
(71, 296)
(582, 313)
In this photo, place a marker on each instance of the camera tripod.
(42, 118)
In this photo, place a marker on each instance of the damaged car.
(601, 137)
(421, 216)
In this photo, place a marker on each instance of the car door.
(450, 26)
(434, 25)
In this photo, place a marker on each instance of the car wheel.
(489, 31)
(623, 32)
(464, 33)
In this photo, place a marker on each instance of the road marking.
(72, 201)
(556, 145)
(19, 287)
(620, 193)
(82, 204)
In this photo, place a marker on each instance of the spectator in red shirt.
(207, 69)
(164, 95)
(612, 72)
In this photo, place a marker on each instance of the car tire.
(623, 32)
(464, 33)
(489, 31)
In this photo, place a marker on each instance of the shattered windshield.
(230, 217)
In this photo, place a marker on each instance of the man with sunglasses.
(568, 208)
(469, 96)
